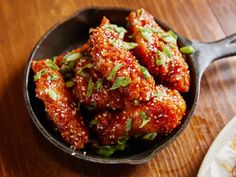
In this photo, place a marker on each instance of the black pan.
(72, 33)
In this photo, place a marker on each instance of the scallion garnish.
(121, 82)
(52, 77)
(98, 84)
(114, 71)
(140, 12)
(128, 125)
(146, 34)
(51, 64)
(90, 87)
(67, 66)
(52, 94)
(161, 58)
(39, 74)
(125, 45)
(69, 84)
(166, 51)
(72, 56)
(150, 136)
(144, 118)
(121, 144)
(145, 72)
(129, 45)
(187, 50)
(170, 36)
(120, 30)
(106, 150)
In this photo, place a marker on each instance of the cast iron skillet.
(72, 33)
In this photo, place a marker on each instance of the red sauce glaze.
(106, 56)
(163, 112)
(62, 107)
(174, 72)
(100, 97)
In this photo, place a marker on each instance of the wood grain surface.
(23, 150)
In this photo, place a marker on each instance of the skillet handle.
(209, 52)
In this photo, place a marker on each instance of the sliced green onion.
(145, 72)
(162, 58)
(52, 94)
(98, 84)
(140, 12)
(128, 125)
(170, 36)
(106, 151)
(136, 102)
(52, 77)
(67, 66)
(121, 144)
(172, 33)
(129, 45)
(73, 56)
(146, 34)
(90, 87)
(150, 136)
(93, 122)
(69, 84)
(145, 119)
(166, 51)
(125, 45)
(53, 59)
(83, 74)
(114, 71)
(51, 64)
(121, 82)
(156, 30)
(187, 50)
(39, 74)
(120, 30)
(89, 65)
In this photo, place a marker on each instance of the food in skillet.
(112, 58)
(160, 116)
(119, 98)
(92, 89)
(59, 103)
(158, 51)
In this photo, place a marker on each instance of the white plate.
(228, 133)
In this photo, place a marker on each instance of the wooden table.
(23, 150)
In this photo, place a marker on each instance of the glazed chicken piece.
(92, 89)
(159, 115)
(158, 51)
(111, 57)
(59, 103)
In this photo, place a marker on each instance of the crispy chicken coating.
(160, 115)
(158, 51)
(92, 89)
(117, 64)
(59, 103)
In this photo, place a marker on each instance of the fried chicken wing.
(158, 51)
(117, 64)
(59, 103)
(160, 115)
(92, 89)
